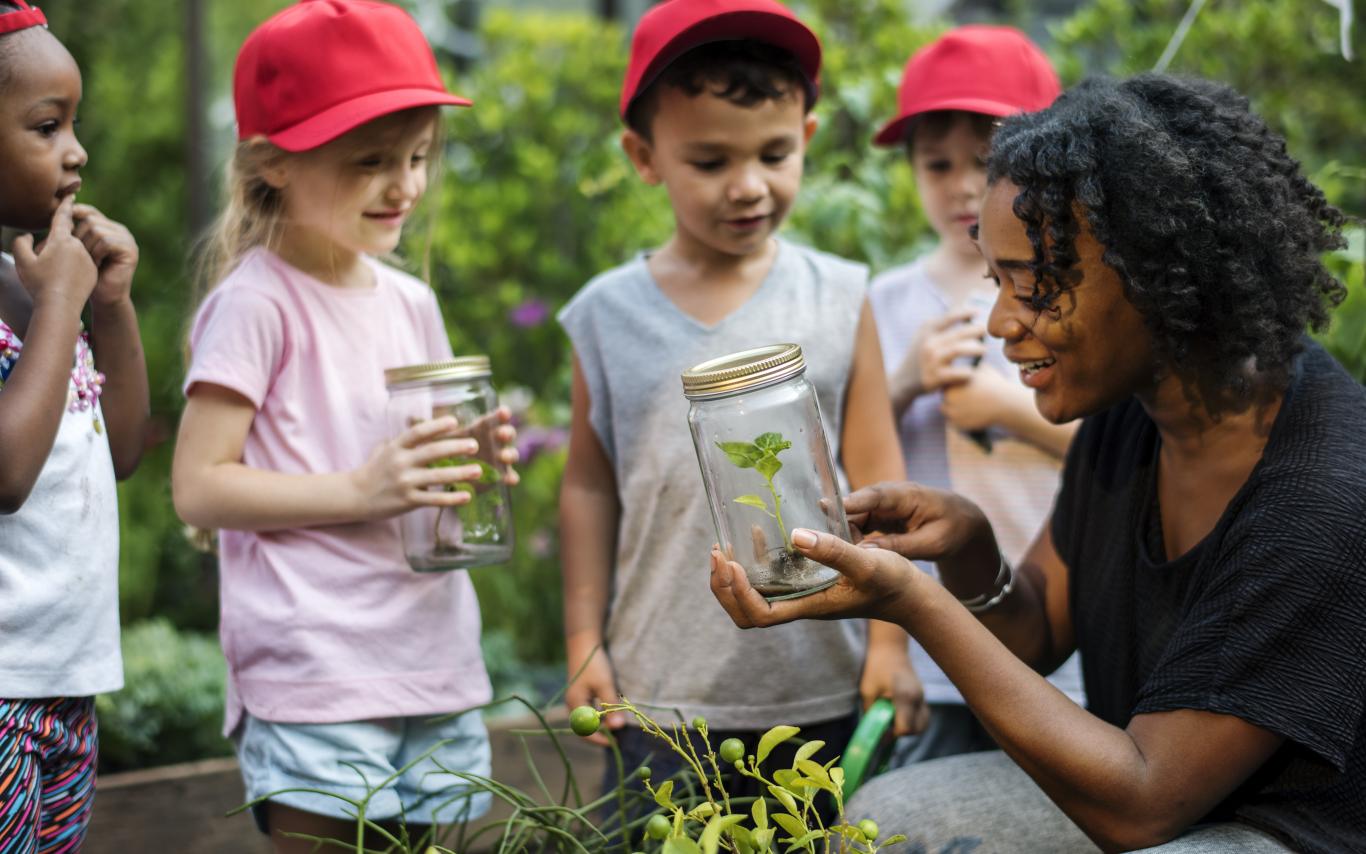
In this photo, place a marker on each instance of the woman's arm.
(213, 488)
(1127, 788)
(589, 515)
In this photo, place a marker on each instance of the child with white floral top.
(70, 427)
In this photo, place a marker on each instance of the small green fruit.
(584, 721)
(732, 750)
(868, 828)
(643, 772)
(699, 722)
(657, 827)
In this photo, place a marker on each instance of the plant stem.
(437, 545)
(778, 513)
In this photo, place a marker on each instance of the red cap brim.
(349, 115)
(894, 132)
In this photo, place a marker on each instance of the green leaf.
(805, 840)
(763, 839)
(711, 835)
(893, 840)
(785, 798)
(837, 777)
(702, 812)
(760, 813)
(741, 454)
(680, 845)
(794, 826)
(787, 778)
(813, 770)
(805, 751)
(773, 738)
(754, 501)
(772, 442)
(662, 794)
(768, 466)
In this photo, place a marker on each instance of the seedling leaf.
(753, 501)
(768, 466)
(741, 454)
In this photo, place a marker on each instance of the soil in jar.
(788, 572)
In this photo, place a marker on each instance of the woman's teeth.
(1032, 367)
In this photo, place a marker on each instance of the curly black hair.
(743, 71)
(1215, 233)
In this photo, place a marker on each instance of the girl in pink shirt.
(339, 655)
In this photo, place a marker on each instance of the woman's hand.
(913, 520)
(873, 582)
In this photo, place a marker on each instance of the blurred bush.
(171, 708)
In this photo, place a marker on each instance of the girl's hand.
(113, 249)
(60, 269)
(399, 474)
(949, 338)
(506, 437)
(873, 582)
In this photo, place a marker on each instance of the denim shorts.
(353, 759)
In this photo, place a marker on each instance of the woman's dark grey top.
(1264, 619)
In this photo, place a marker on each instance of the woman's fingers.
(745, 606)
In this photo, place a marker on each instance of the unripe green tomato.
(658, 827)
(732, 750)
(699, 722)
(868, 828)
(584, 721)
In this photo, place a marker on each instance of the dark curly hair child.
(1214, 232)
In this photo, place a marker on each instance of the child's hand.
(60, 269)
(398, 475)
(948, 339)
(983, 401)
(113, 249)
(596, 683)
(506, 437)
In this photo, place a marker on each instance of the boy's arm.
(990, 399)
(114, 336)
(589, 514)
(871, 453)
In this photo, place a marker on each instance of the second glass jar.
(756, 425)
(478, 532)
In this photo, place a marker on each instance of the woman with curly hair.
(1158, 258)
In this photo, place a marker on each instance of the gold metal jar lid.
(454, 370)
(743, 371)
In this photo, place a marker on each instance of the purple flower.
(529, 314)
(534, 441)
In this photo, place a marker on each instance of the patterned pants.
(48, 750)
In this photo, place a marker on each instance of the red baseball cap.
(320, 68)
(675, 27)
(975, 68)
(22, 18)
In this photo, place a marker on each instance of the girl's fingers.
(442, 449)
(510, 456)
(512, 478)
(426, 431)
(438, 497)
(506, 434)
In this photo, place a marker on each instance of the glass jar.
(757, 429)
(478, 532)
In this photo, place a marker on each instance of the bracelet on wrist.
(1001, 587)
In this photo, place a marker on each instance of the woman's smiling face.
(1090, 348)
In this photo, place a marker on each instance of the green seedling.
(762, 456)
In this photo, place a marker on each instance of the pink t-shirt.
(329, 624)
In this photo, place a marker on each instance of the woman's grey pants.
(982, 803)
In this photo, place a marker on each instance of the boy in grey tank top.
(717, 111)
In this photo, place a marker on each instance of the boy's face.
(732, 172)
(353, 194)
(951, 177)
(40, 158)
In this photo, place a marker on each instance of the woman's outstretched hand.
(873, 582)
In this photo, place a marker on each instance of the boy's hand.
(398, 477)
(596, 683)
(948, 339)
(888, 673)
(983, 401)
(60, 269)
(113, 250)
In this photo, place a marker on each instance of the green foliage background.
(537, 198)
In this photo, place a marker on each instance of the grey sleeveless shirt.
(669, 641)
